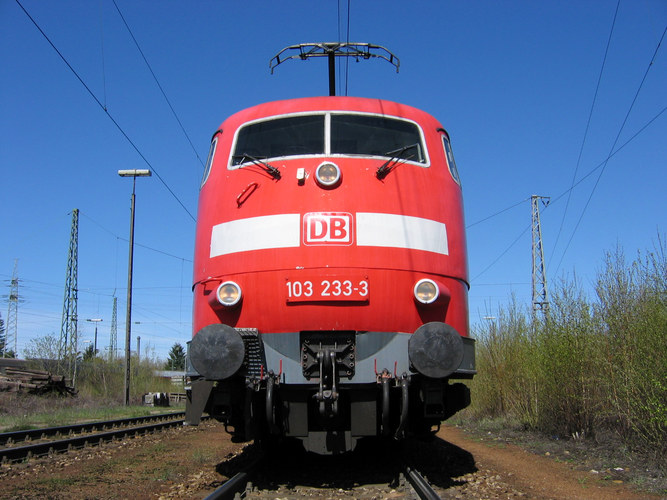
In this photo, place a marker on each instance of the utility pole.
(68, 330)
(95, 320)
(540, 296)
(332, 50)
(128, 316)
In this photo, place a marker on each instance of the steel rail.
(424, 490)
(237, 484)
(49, 447)
(30, 434)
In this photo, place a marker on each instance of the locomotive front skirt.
(330, 276)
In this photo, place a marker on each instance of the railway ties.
(409, 483)
(121, 428)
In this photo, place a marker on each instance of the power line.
(137, 244)
(340, 63)
(604, 166)
(588, 123)
(104, 75)
(347, 40)
(497, 213)
(503, 253)
(158, 84)
(120, 129)
(557, 198)
(603, 162)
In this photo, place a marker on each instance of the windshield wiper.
(269, 169)
(396, 159)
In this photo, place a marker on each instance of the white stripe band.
(372, 230)
(256, 233)
(401, 231)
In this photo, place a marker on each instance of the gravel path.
(188, 463)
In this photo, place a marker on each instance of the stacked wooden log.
(15, 379)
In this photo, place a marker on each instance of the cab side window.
(450, 159)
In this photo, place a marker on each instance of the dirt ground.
(189, 462)
(539, 476)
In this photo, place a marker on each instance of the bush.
(101, 378)
(587, 365)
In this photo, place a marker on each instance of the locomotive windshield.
(371, 135)
(350, 134)
(297, 135)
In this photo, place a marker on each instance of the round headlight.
(228, 293)
(426, 291)
(327, 174)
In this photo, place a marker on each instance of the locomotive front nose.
(217, 352)
(435, 350)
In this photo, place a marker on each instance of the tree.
(42, 348)
(89, 353)
(176, 360)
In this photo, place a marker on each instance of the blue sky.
(513, 83)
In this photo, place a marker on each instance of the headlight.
(228, 294)
(327, 174)
(426, 291)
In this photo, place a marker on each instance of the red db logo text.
(328, 228)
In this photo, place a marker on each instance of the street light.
(128, 317)
(95, 320)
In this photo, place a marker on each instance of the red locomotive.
(330, 275)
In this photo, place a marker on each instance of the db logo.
(327, 228)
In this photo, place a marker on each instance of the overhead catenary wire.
(498, 213)
(620, 130)
(173, 111)
(502, 253)
(347, 40)
(603, 162)
(106, 111)
(137, 244)
(104, 75)
(588, 124)
(561, 195)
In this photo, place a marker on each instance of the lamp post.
(95, 320)
(128, 317)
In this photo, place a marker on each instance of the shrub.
(587, 365)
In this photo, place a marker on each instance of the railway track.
(419, 484)
(60, 439)
(408, 482)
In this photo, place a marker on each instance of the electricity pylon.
(540, 296)
(113, 337)
(11, 329)
(67, 346)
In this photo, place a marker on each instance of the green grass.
(73, 415)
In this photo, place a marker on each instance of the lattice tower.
(113, 337)
(68, 330)
(540, 296)
(11, 327)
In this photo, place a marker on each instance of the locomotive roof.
(314, 104)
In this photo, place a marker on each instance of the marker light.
(228, 294)
(327, 174)
(426, 291)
